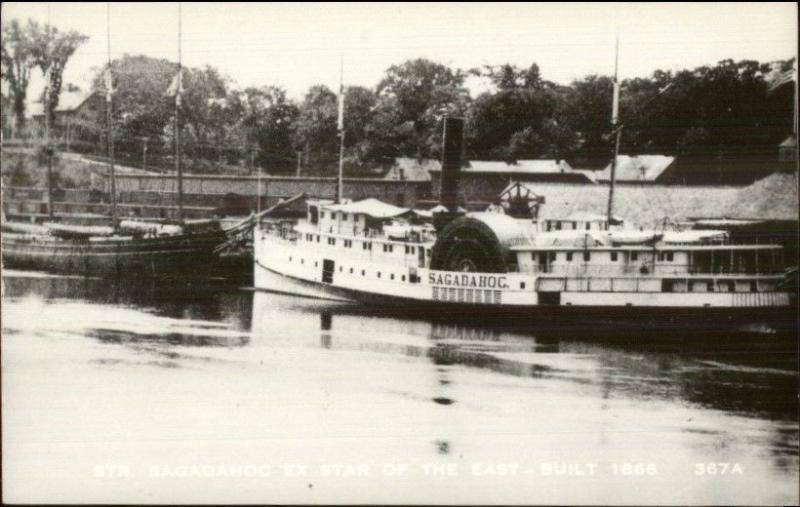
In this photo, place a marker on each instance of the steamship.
(507, 259)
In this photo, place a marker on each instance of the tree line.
(725, 108)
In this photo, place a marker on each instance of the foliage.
(51, 50)
(17, 61)
(713, 109)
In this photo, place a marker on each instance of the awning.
(370, 207)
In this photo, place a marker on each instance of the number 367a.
(718, 469)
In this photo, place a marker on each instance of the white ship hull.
(283, 266)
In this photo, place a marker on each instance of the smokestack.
(452, 143)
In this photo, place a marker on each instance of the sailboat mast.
(110, 134)
(178, 165)
(340, 125)
(617, 134)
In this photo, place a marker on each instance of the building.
(636, 169)
(773, 198)
(787, 150)
(76, 111)
(484, 180)
(739, 169)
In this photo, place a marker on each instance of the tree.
(522, 119)
(418, 90)
(264, 127)
(51, 50)
(359, 109)
(141, 107)
(315, 129)
(203, 112)
(17, 62)
(588, 114)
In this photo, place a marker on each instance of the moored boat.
(124, 254)
(504, 262)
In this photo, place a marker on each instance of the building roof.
(67, 101)
(637, 168)
(520, 167)
(789, 142)
(772, 198)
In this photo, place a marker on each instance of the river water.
(125, 392)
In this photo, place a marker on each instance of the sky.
(298, 45)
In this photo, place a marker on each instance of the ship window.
(351, 271)
(552, 256)
(413, 249)
(669, 256)
(315, 264)
(379, 274)
(322, 214)
(317, 238)
(345, 217)
(302, 261)
(290, 258)
(363, 272)
(340, 269)
(587, 256)
(660, 256)
(558, 226)
(569, 256)
(403, 278)
(521, 285)
(753, 286)
(613, 256)
(331, 241)
(574, 225)
(634, 256)
(710, 286)
(391, 277)
(588, 225)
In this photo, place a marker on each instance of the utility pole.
(178, 91)
(299, 162)
(110, 134)
(617, 131)
(47, 147)
(69, 124)
(340, 125)
(144, 154)
(258, 190)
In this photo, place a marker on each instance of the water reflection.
(486, 390)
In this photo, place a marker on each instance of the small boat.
(133, 249)
(124, 249)
(104, 252)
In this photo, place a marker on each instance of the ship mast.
(109, 127)
(178, 91)
(617, 130)
(340, 128)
